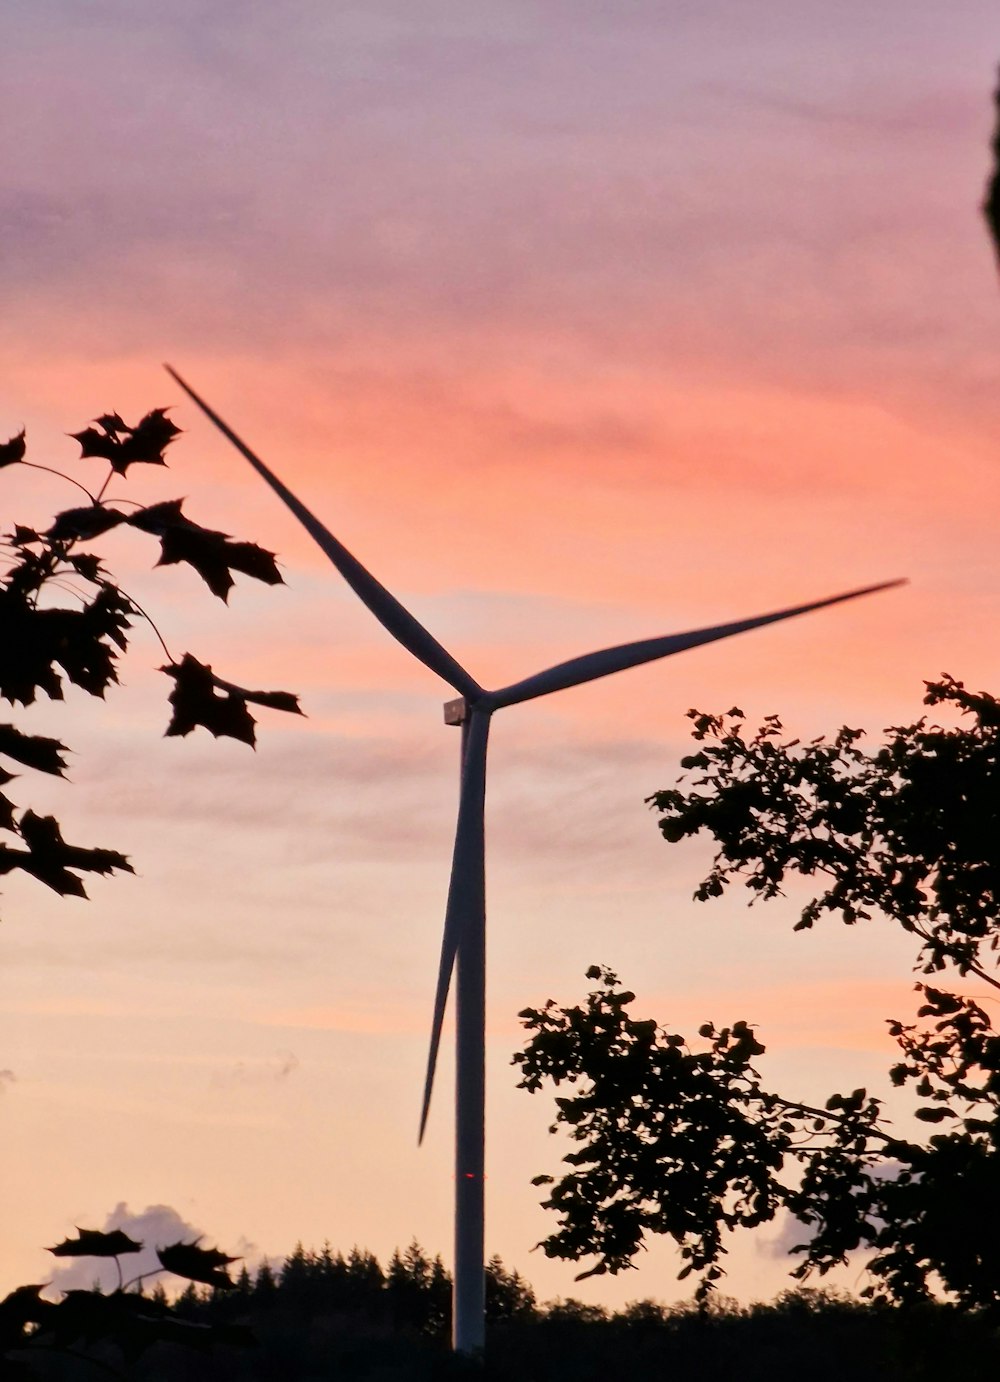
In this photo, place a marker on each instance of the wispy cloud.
(275, 1070)
(470, 179)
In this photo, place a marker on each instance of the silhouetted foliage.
(418, 1293)
(684, 1139)
(91, 1242)
(306, 1328)
(189, 1260)
(63, 618)
(508, 1295)
(106, 1331)
(265, 1288)
(991, 206)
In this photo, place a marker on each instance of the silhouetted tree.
(572, 1311)
(190, 1304)
(418, 1292)
(438, 1318)
(364, 1274)
(684, 1139)
(508, 1295)
(265, 1288)
(297, 1278)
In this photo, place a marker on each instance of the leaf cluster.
(125, 1319)
(678, 1139)
(909, 831)
(64, 620)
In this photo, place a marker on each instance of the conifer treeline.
(412, 1294)
(326, 1315)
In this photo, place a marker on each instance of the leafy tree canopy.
(684, 1138)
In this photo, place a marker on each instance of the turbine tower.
(463, 943)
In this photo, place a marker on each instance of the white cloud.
(791, 1231)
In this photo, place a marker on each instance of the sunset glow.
(577, 324)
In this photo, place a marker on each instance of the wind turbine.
(463, 943)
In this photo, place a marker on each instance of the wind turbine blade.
(466, 899)
(608, 660)
(386, 608)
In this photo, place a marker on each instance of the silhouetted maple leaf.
(33, 750)
(92, 1242)
(150, 438)
(113, 440)
(12, 451)
(206, 1265)
(29, 630)
(95, 443)
(77, 640)
(86, 564)
(213, 555)
(84, 523)
(112, 422)
(273, 700)
(201, 698)
(83, 653)
(49, 858)
(196, 701)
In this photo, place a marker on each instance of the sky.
(577, 323)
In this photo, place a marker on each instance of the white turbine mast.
(463, 943)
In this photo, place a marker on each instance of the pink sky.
(577, 324)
